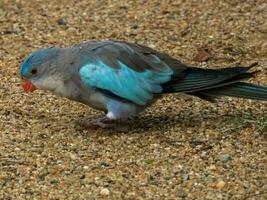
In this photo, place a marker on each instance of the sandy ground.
(181, 148)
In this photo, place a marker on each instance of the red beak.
(28, 86)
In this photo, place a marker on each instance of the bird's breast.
(89, 97)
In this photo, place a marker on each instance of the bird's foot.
(103, 122)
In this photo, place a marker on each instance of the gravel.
(181, 148)
(105, 192)
(224, 157)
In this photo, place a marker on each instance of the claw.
(103, 122)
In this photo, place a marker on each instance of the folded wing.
(129, 71)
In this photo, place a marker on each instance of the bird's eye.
(34, 71)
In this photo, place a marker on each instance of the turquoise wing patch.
(136, 86)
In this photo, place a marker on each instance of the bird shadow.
(145, 124)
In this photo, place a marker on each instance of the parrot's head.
(38, 70)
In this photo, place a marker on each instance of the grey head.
(47, 69)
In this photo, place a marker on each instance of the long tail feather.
(211, 84)
(242, 90)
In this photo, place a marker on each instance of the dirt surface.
(181, 148)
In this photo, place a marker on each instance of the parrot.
(122, 79)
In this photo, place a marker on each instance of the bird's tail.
(211, 84)
(239, 89)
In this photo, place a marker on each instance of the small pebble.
(85, 167)
(181, 193)
(17, 149)
(61, 21)
(134, 26)
(105, 192)
(184, 175)
(202, 55)
(224, 157)
(220, 184)
(212, 167)
(54, 181)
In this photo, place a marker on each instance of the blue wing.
(130, 72)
